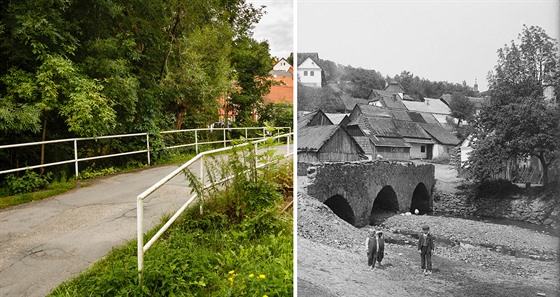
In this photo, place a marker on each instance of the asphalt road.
(46, 242)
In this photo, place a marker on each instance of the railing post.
(225, 137)
(140, 235)
(148, 147)
(264, 133)
(202, 170)
(255, 160)
(76, 156)
(196, 140)
(245, 132)
(288, 147)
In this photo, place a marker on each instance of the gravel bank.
(477, 233)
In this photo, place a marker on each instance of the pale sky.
(276, 26)
(449, 40)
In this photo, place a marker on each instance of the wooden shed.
(316, 118)
(327, 143)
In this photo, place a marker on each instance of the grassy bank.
(241, 244)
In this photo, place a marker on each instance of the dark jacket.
(372, 244)
(429, 239)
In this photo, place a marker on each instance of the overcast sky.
(437, 40)
(276, 26)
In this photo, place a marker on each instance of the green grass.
(239, 245)
(193, 261)
(52, 189)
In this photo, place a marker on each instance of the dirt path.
(332, 262)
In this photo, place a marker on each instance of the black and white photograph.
(428, 148)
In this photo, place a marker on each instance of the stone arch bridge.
(358, 191)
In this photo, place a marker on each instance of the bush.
(494, 189)
(29, 182)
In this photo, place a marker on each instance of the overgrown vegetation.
(89, 68)
(50, 190)
(240, 244)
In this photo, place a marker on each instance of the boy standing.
(375, 244)
(426, 246)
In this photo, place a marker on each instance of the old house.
(316, 118)
(421, 143)
(391, 148)
(386, 100)
(308, 70)
(368, 110)
(341, 119)
(327, 143)
(444, 141)
(393, 87)
(383, 134)
(283, 89)
(282, 65)
(435, 107)
(367, 146)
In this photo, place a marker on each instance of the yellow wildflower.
(265, 295)
(262, 276)
(232, 272)
(230, 279)
(251, 275)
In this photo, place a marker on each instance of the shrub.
(29, 182)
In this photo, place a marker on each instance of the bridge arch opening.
(421, 200)
(384, 205)
(341, 208)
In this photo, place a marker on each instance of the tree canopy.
(518, 122)
(86, 68)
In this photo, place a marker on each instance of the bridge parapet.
(406, 186)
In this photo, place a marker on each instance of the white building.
(282, 65)
(309, 73)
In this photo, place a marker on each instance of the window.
(305, 73)
(312, 73)
(423, 149)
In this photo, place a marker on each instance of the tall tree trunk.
(180, 115)
(172, 38)
(545, 170)
(43, 138)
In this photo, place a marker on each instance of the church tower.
(475, 86)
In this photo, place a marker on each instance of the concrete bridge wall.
(359, 183)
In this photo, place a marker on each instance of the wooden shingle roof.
(314, 137)
(438, 133)
(365, 143)
(305, 120)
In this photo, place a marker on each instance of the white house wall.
(309, 74)
(282, 65)
(440, 151)
(416, 151)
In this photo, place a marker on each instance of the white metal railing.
(75, 141)
(142, 248)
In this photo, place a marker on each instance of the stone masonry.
(360, 182)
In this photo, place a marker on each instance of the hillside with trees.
(91, 68)
(358, 83)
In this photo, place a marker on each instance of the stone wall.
(302, 168)
(360, 183)
(520, 208)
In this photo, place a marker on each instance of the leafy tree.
(291, 59)
(326, 99)
(199, 72)
(461, 107)
(251, 63)
(512, 132)
(518, 123)
(277, 114)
